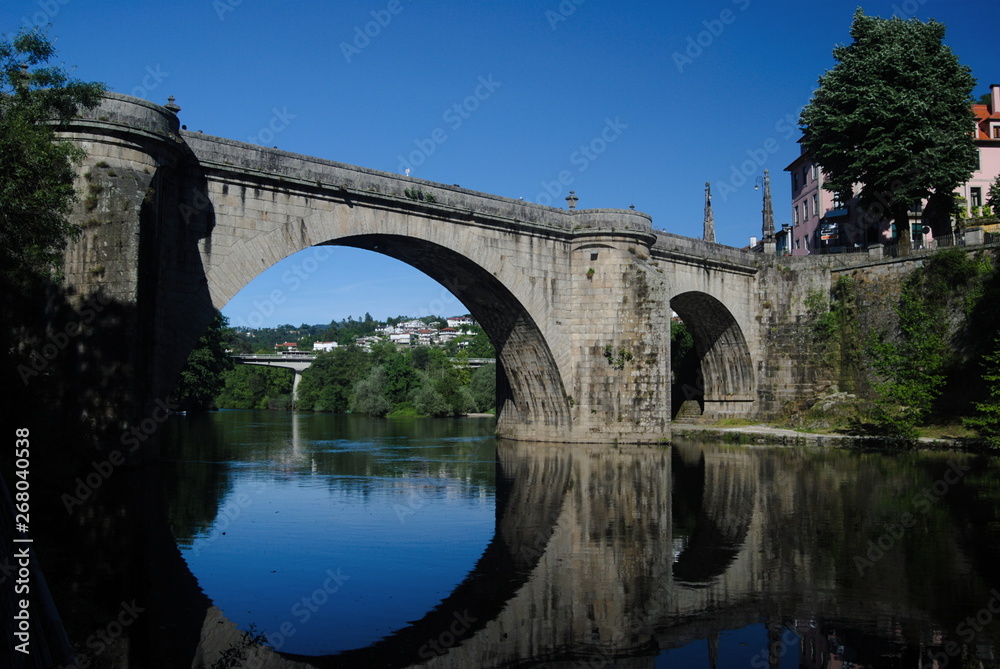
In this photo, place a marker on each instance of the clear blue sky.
(692, 90)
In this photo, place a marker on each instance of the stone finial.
(572, 199)
(768, 227)
(709, 233)
(170, 106)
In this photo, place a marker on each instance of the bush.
(430, 402)
(369, 394)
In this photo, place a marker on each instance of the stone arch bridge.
(578, 303)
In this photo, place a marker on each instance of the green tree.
(480, 345)
(483, 387)
(911, 363)
(369, 394)
(420, 357)
(202, 378)
(909, 369)
(329, 383)
(401, 378)
(36, 183)
(993, 197)
(987, 418)
(684, 362)
(894, 116)
(255, 387)
(430, 402)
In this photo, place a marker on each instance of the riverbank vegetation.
(925, 362)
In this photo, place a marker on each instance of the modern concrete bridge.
(301, 362)
(577, 303)
(296, 363)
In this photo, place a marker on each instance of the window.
(795, 182)
(816, 204)
(805, 175)
(795, 215)
(976, 196)
(805, 210)
(798, 243)
(996, 132)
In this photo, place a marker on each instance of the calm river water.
(349, 541)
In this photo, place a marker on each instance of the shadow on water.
(692, 555)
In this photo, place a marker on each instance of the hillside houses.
(418, 333)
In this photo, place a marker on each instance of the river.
(350, 541)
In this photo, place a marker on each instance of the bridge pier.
(295, 387)
(296, 364)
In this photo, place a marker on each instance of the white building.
(411, 326)
(401, 338)
(459, 321)
(366, 343)
(324, 345)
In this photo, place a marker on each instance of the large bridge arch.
(530, 381)
(727, 373)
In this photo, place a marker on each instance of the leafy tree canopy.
(893, 115)
(202, 378)
(36, 182)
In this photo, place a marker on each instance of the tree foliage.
(255, 387)
(912, 364)
(329, 384)
(910, 368)
(202, 378)
(684, 363)
(483, 387)
(893, 115)
(993, 196)
(370, 394)
(986, 421)
(36, 182)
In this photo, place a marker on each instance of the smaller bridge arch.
(727, 375)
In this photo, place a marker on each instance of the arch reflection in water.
(722, 554)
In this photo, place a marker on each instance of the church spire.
(709, 235)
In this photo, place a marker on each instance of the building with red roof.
(823, 223)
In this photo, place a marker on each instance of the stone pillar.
(111, 274)
(621, 333)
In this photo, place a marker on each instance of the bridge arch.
(530, 386)
(727, 375)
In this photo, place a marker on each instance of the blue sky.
(689, 91)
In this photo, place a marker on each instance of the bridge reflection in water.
(610, 557)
